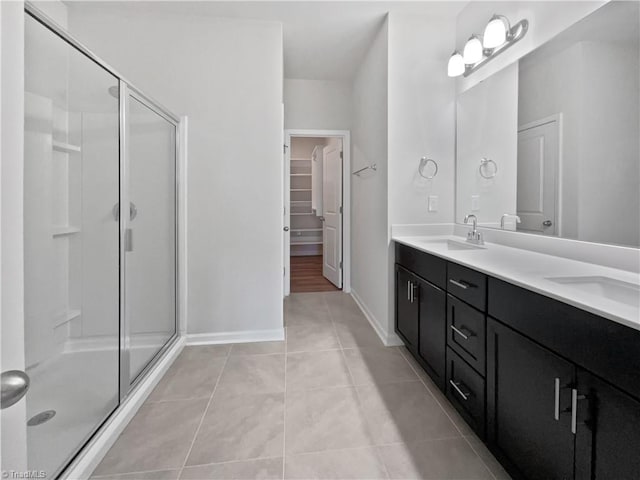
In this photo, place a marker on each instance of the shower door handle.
(128, 240)
(133, 211)
(14, 386)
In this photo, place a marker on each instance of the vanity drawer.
(466, 391)
(429, 267)
(466, 328)
(468, 285)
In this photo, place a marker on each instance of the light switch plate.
(475, 203)
(433, 203)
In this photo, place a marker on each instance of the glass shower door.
(150, 265)
(71, 247)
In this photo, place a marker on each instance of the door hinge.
(340, 264)
(284, 272)
(341, 209)
(341, 156)
(284, 148)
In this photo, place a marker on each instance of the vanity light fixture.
(498, 36)
(496, 32)
(472, 52)
(455, 66)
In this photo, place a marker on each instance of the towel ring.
(483, 163)
(424, 161)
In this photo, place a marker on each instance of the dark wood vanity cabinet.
(421, 309)
(407, 300)
(607, 431)
(554, 390)
(528, 398)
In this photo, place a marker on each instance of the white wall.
(403, 110)
(317, 104)
(421, 117)
(369, 225)
(546, 19)
(234, 256)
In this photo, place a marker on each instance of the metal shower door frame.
(126, 90)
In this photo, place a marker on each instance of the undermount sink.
(454, 244)
(616, 290)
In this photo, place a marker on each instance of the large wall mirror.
(555, 137)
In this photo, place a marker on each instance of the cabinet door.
(528, 391)
(407, 307)
(432, 327)
(607, 431)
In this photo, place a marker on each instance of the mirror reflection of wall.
(570, 165)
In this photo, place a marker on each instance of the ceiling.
(322, 40)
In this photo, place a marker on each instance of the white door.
(285, 219)
(332, 213)
(538, 154)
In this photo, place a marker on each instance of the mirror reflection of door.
(538, 156)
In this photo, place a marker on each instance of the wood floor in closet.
(306, 275)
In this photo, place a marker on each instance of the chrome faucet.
(473, 236)
(508, 215)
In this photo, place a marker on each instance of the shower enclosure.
(100, 240)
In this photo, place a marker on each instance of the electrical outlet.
(475, 203)
(433, 203)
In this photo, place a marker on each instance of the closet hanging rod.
(373, 167)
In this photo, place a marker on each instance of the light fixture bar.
(515, 34)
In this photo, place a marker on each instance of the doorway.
(315, 212)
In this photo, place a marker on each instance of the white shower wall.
(230, 87)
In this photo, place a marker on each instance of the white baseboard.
(84, 465)
(388, 339)
(248, 336)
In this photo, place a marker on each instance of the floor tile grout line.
(284, 406)
(204, 414)
(448, 416)
(111, 475)
(355, 389)
(227, 462)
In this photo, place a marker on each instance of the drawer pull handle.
(464, 334)
(574, 409)
(462, 284)
(456, 386)
(556, 410)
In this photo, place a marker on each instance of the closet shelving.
(306, 227)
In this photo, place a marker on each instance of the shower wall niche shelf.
(59, 231)
(66, 147)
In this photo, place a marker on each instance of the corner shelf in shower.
(66, 317)
(66, 147)
(64, 230)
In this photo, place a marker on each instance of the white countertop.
(532, 270)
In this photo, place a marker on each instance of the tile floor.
(329, 403)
